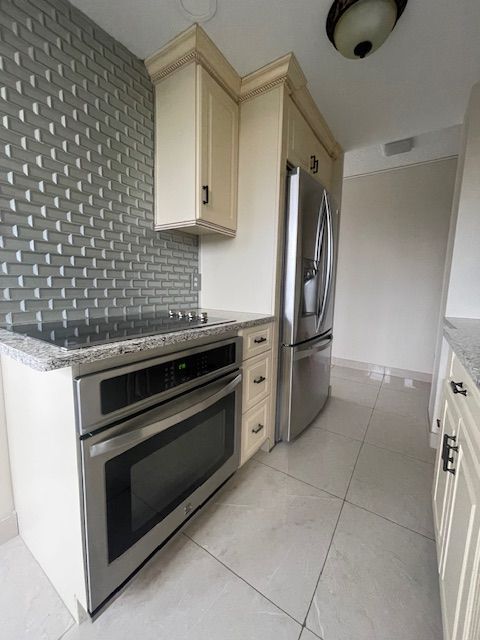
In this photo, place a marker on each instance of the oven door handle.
(137, 435)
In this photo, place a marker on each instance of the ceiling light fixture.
(357, 28)
(198, 10)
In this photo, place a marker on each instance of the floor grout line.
(323, 565)
(403, 526)
(399, 453)
(333, 495)
(336, 524)
(63, 635)
(240, 578)
(335, 433)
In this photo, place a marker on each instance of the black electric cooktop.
(87, 332)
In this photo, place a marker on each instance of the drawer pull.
(446, 449)
(259, 380)
(258, 428)
(457, 387)
(260, 340)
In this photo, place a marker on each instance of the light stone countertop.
(463, 335)
(43, 356)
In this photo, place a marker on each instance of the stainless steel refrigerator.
(307, 304)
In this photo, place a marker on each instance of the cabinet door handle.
(206, 195)
(312, 163)
(315, 168)
(260, 340)
(457, 387)
(259, 380)
(258, 428)
(446, 449)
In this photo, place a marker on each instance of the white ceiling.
(418, 81)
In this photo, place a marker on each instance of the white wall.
(8, 520)
(393, 237)
(463, 298)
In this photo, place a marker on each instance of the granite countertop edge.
(43, 356)
(463, 335)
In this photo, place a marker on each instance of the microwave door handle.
(139, 434)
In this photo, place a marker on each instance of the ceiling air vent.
(399, 146)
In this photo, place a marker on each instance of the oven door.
(144, 477)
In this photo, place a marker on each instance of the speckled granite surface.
(46, 357)
(463, 335)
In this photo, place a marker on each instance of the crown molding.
(194, 45)
(286, 71)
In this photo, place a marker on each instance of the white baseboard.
(377, 368)
(8, 528)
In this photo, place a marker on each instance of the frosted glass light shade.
(364, 27)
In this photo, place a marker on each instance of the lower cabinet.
(258, 379)
(456, 506)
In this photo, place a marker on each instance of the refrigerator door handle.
(320, 229)
(329, 260)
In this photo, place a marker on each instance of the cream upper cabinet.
(304, 149)
(218, 155)
(196, 136)
(456, 501)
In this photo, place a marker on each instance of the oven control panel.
(128, 388)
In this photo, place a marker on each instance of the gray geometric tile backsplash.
(76, 174)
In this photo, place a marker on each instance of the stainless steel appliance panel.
(309, 259)
(90, 415)
(305, 384)
(108, 569)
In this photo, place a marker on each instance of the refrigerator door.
(308, 257)
(304, 385)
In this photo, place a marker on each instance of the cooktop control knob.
(191, 315)
(180, 315)
(171, 313)
(203, 316)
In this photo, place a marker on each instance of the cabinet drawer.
(255, 428)
(256, 340)
(256, 379)
(471, 401)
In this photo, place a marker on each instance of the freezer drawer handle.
(258, 428)
(259, 380)
(457, 387)
(260, 340)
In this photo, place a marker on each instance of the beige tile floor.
(328, 537)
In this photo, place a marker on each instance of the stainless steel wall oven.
(157, 438)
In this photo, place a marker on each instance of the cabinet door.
(322, 164)
(460, 566)
(304, 149)
(443, 481)
(218, 154)
(300, 146)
